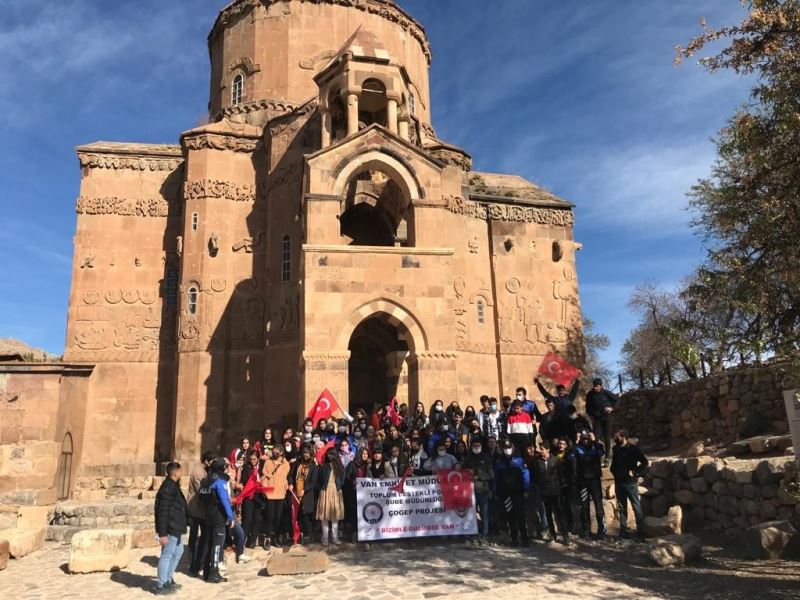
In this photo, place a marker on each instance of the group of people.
(535, 474)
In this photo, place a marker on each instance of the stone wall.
(727, 494)
(723, 407)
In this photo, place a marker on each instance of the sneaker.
(164, 591)
(568, 540)
(267, 545)
(243, 559)
(337, 542)
(174, 586)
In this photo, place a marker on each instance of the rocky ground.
(433, 569)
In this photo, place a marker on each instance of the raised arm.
(545, 394)
(573, 392)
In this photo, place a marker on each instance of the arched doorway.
(381, 365)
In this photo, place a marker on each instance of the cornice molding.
(510, 212)
(211, 141)
(335, 249)
(386, 9)
(127, 207)
(224, 190)
(256, 105)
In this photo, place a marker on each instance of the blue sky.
(580, 97)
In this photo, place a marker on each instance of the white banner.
(384, 514)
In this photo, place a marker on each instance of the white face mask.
(288, 447)
(394, 460)
(508, 451)
(573, 416)
(493, 408)
(445, 427)
(442, 451)
(342, 429)
(308, 428)
(437, 408)
(476, 450)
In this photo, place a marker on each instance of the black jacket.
(576, 425)
(628, 463)
(588, 461)
(552, 426)
(171, 510)
(546, 475)
(309, 499)
(597, 401)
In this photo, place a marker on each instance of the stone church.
(315, 233)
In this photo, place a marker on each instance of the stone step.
(103, 513)
(143, 533)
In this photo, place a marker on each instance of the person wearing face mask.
(219, 517)
(441, 461)
(237, 455)
(288, 445)
(417, 419)
(474, 431)
(484, 410)
(511, 484)
(322, 430)
(330, 504)
(482, 467)
(172, 518)
(359, 439)
(454, 409)
(521, 431)
(343, 434)
(441, 435)
(378, 465)
(529, 406)
(628, 464)
(494, 423)
(460, 428)
(588, 456)
(461, 451)
(275, 478)
(570, 503)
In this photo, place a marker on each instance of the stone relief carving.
(459, 285)
(564, 290)
(249, 244)
(473, 244)
(246, 64)
(87, 262)
(278, 106)
(137, 262)
(505, 212)
(113, 296)
(190, 330)
(288, 316)
(208, 141)
(137, 163)
(91, 297)
(91, 338)
(127, 207)
(178, 246)
(130, 296)
(224, 190)
(254, 319)
(286, 175)
(93, 313)
(219, 285)
(213, 244)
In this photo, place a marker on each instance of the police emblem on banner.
(372, 513)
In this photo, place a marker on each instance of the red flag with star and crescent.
(323, 451)
(324, 407)
(558, 369)
(391, 412)
(457, 488)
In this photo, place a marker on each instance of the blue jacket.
(436, 436)
(562, 402)
(511, 476)
(214, 493)
(529, 406)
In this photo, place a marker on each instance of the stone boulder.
(770, 470)
(660, 468)
(297, 563)
(685, 497)
(773, 539)
(695, 450)
(94, 550)
(22, 542)
(4, 554)
(668, 525)
(695, 465)
(675, 550)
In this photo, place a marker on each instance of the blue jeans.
(629, 492)
(171, 553)
(538, 503)
(235, 536)
(482, 502)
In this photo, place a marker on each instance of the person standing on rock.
(600, 405)
(172, 518)
(627, 466)
(198, 536)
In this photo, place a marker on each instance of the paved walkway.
(421, 570)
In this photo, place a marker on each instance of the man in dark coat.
(172, 518)
(218, 517)
(627, 466)
(546, 475)
(600, 405)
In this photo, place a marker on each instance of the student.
(480, 463)
(520, 427)
(330, 502)
(562, 399)
(461, 451)
(601, 405)
(627, 465)
(378, 465)
(218, 517)
(570, 506)
(529, 406)
(396, 465)
(588, 456)
(552, 426)
(441, 461)
(251, 513)
(304, 478)
(494, 422)
(511, 483)
(576, 423)
(172, 517)
(417, 457)
(275, 478)
(238, 454)
(547, 477)
(266, 444)
(417, 419)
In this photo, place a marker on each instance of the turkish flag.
(401, 485)
(558, 369)
(457, 488)
(295, 515)
(251, 488)
(324, 407)
(323, 451)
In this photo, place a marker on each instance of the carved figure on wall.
(130, 296)
(219, 285)
(151, 319)
(137, 262)
(190, 330)
(127, 336)
(113, 296)
(148, 297)
(249, 244)
(92, 338)
(564, 290)
(179, 246)
(459, 286)
(289, 317)
(513, 285)
(473, 244)
(532, 248)
(506, 317)
(213, 244)
(88, 262)
(91, 296)
(556, 333)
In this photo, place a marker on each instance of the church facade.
(316, 233)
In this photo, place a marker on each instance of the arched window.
(191, 300)
(237, 90)
(286, 259)
(412, 104)
(195, 221)
(481, 311)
